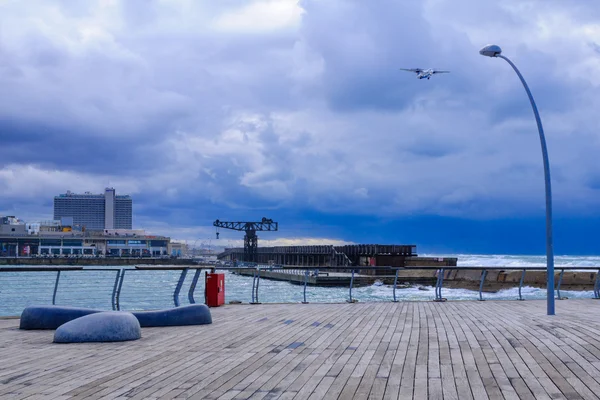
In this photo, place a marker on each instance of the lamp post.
(492, 50)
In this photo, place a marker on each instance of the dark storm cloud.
(53, 146)
(235, 107)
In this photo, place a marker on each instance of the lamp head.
(491, 50)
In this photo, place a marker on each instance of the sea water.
(153, 289)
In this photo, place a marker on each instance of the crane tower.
(250, 229)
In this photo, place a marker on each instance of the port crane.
(250, 238)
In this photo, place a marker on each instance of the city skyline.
(297, 111)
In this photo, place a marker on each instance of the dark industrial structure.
(250, 238)
(333, 256)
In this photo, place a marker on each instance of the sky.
(297, 111)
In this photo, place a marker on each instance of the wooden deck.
(452, 350)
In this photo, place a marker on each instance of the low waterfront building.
(179, 249)
(18, 239)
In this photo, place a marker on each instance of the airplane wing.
(441, 72)
(417, 70)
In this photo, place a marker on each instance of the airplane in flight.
(424, 73)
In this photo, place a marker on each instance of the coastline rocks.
(109, 326)
(51, 317)
(194, 314)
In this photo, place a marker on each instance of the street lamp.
(491, 50)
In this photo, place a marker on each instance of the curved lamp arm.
(549, 246)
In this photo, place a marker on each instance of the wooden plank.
(385, 350)
(345, 366)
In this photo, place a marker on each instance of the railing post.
(253, 283)
(395, 284)
(114, 292)
(118, 297)
(439, 284)
(560, 278)
(178, 287)
(55, 287)
(351, 284)
(521, 284)
(305, 282)
(257, 283)
(255, 289)
(193, 286)
(597, 286)
(483, 275)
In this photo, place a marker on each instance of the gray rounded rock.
(110, 326)
(51, 317)
(193, 314)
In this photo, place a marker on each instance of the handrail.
(39, 269)
(392, 268)
(116, 284)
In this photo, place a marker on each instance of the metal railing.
(440, 272)
(94, 287)
(104, 287)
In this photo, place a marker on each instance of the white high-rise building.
(95, 211)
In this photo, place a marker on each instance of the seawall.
(464, 279)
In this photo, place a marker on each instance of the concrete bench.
(194, 314)
(51, 317)
(109, 326)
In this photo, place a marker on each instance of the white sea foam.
(516, 261)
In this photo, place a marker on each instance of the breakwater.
(496, 279)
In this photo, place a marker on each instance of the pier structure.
(406, 350)
(332, 256)
(327, 257)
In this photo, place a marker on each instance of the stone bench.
(194, 314)
(51, 317)
(109, 326)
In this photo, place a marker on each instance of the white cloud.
(32, 182)
(260, 16)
